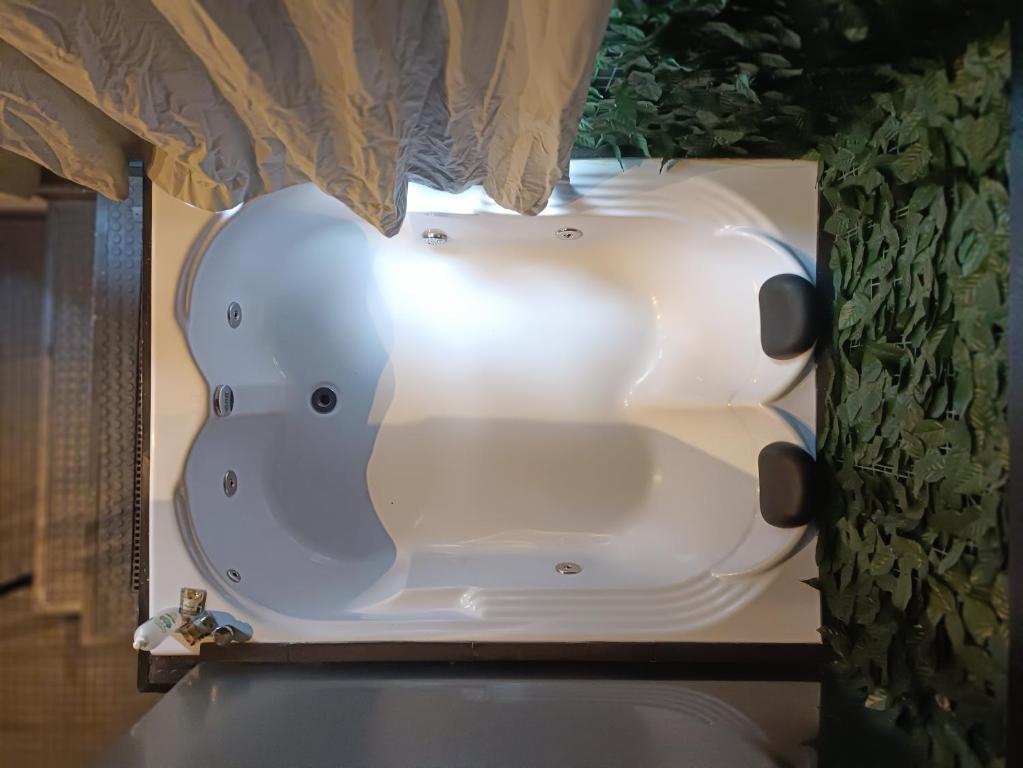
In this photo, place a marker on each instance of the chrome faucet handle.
(230, 630)
(228, 633)
(223, 635)
(198, 627)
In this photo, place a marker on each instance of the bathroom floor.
(61, 702)
(67, 676)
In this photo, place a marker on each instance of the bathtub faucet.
(192, 622)
(221, 626)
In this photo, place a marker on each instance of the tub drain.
(434, 237)
(324, 399)
(230, 483)
(568, 233)
(568, 569)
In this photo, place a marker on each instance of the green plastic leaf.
(979, 619)
(645, 85)
(962, 393)
(1000, 596)
(848, 315)
(725, 137)
(742, 85)
(972, 252)
(940, 601)
(923, 196)
(977, 137)
(975, 331)
(910, 554)
(987, 565)
(911, 164)
(952, 556)
(978, 663)
(903, 590)
(998, 646)
(774, 61)
(882, 561)
(877, 700)
(867, 607)
(727, 31)
(930, 468)
(955, 631)
(856, 34)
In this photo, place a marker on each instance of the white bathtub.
(535, 438)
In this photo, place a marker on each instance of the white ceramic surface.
(507, 401)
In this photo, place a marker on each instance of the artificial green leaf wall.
(913, 156)
(912, 547)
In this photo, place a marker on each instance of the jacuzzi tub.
(490, 426)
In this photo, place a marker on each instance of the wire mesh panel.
(117, 285)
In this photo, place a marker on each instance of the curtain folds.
(231, 100)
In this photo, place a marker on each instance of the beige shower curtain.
(230, 99)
